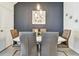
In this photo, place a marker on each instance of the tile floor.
(15, 51)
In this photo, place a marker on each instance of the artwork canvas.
(39, 17)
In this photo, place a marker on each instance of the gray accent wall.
(23, 16)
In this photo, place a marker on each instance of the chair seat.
(62, 45)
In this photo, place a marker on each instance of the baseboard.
(5, 48)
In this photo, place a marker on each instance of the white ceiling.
(9, 5)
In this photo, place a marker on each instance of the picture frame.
(38, 17)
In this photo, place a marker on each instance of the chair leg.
(14, 42)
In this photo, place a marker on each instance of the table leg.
(39, 49)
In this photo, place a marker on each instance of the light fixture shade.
(38, 7)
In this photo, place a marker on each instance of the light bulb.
(38, 6)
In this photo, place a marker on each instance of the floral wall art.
(38, 17)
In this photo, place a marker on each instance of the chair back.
(14, 33)
(49, 44)
(66, 34)
(28, 44)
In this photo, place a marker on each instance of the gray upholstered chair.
(28, 44)
(49, 44)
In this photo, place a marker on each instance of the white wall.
(72, 9)
(6, 23)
